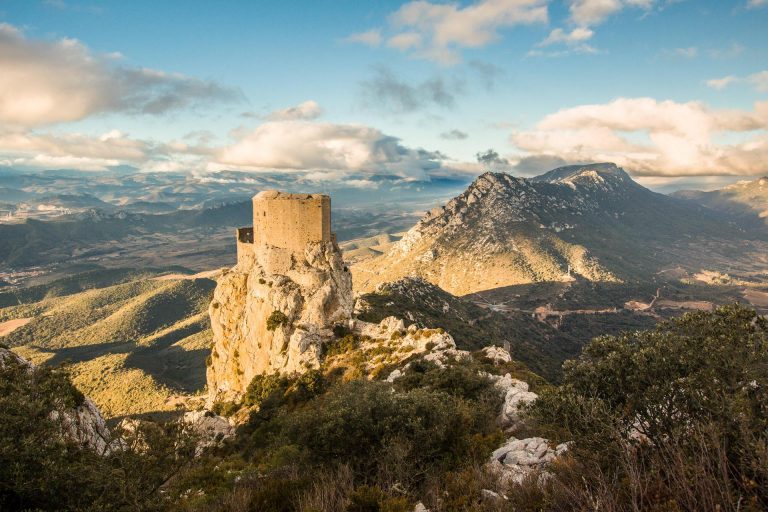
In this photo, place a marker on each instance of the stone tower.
(274, 310)
(283, 225)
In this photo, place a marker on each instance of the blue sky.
(667, 88)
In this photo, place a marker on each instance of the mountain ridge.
(592, 220)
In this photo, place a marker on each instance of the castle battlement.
(283, 224)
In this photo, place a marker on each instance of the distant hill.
(590, 221)
(746, 200)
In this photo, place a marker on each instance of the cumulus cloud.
(45, 82)
(385, 91)
(307, 110)
(437, 31)
(652, 137)
(73, 150)
(328, 151)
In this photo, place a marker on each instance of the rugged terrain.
(592, 222)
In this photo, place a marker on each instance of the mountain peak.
(574, 174)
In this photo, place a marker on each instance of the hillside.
(592, 222)
(135, 347)
(536, 344)
(745, 200)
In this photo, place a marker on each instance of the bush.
(674, 418)
(40, 469)
(276, 319)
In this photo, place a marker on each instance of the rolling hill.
(135, 347)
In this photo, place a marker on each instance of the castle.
(283, 225)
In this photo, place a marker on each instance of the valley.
(93, 300)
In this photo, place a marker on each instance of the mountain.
(589, 221)
(745, 200)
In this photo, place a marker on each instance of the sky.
(675, 91)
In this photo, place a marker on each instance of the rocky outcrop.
(515, 393)
(266, 322)
(208, 429)
(83, 424)
(518, 458)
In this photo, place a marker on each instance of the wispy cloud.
(303, 111)
(454, 135)
(385, 91)
(758, 81)
(721, 83)
(371, 38)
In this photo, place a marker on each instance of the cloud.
(46, 82)
(490, 158)
(25, 149)
(759, 81)
(730, 52)
(593, 12)
(437, 31)
(487, 72)
(575, 36)
(689, 52)
(328, 151)
(655, 138)
(369, 38)
(755, 4)
(721, 83)
(454, 135)
(303, 111)
(386, 91)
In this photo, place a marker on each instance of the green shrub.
(373, 499)
(671, 418)
(342, 345)
(276, 319)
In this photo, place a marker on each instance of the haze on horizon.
(349, 92)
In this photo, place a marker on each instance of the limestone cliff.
(267, 318)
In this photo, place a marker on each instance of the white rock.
(497, 354)
(209, 428)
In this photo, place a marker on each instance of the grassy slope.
(135, 347)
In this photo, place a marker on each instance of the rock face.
(274, 310)
(83, 424)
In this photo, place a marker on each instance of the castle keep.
(283, 224)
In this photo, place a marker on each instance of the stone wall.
(291, 221)
(244, 237)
